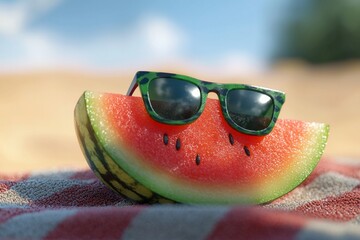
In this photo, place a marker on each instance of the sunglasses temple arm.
(132, 87)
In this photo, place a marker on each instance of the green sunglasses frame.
(143, 78)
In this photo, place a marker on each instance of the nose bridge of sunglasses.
(212, 95)
(212, 88)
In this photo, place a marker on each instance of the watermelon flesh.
(206, 161)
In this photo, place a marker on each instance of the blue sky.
(228, 35)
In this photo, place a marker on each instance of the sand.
(37, 128)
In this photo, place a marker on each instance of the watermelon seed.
(247, 151)
(166, 139)
(178, 144)
(231, 139)
(197, 159)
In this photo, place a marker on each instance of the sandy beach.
(37, 129)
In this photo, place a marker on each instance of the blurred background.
(53, 50)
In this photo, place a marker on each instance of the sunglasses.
(177, 99)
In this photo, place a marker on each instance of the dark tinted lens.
(250, 109)
(174, 99)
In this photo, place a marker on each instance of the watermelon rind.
(103, 164)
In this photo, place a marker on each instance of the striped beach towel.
(76, 205)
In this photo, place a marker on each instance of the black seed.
(178, 144)
(231, 139)
(247, 151)
(197, 159)
(166, 139)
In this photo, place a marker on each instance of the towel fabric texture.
(76, 205)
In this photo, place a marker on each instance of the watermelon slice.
(206, 161)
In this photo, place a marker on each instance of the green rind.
(103, 165)
(299, 172)
(187, 192)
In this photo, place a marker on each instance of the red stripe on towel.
(257, 223)
(340, 208)
(4, 186)
(84, 175)
(81, 195)
(16, 177)
(96, 223)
